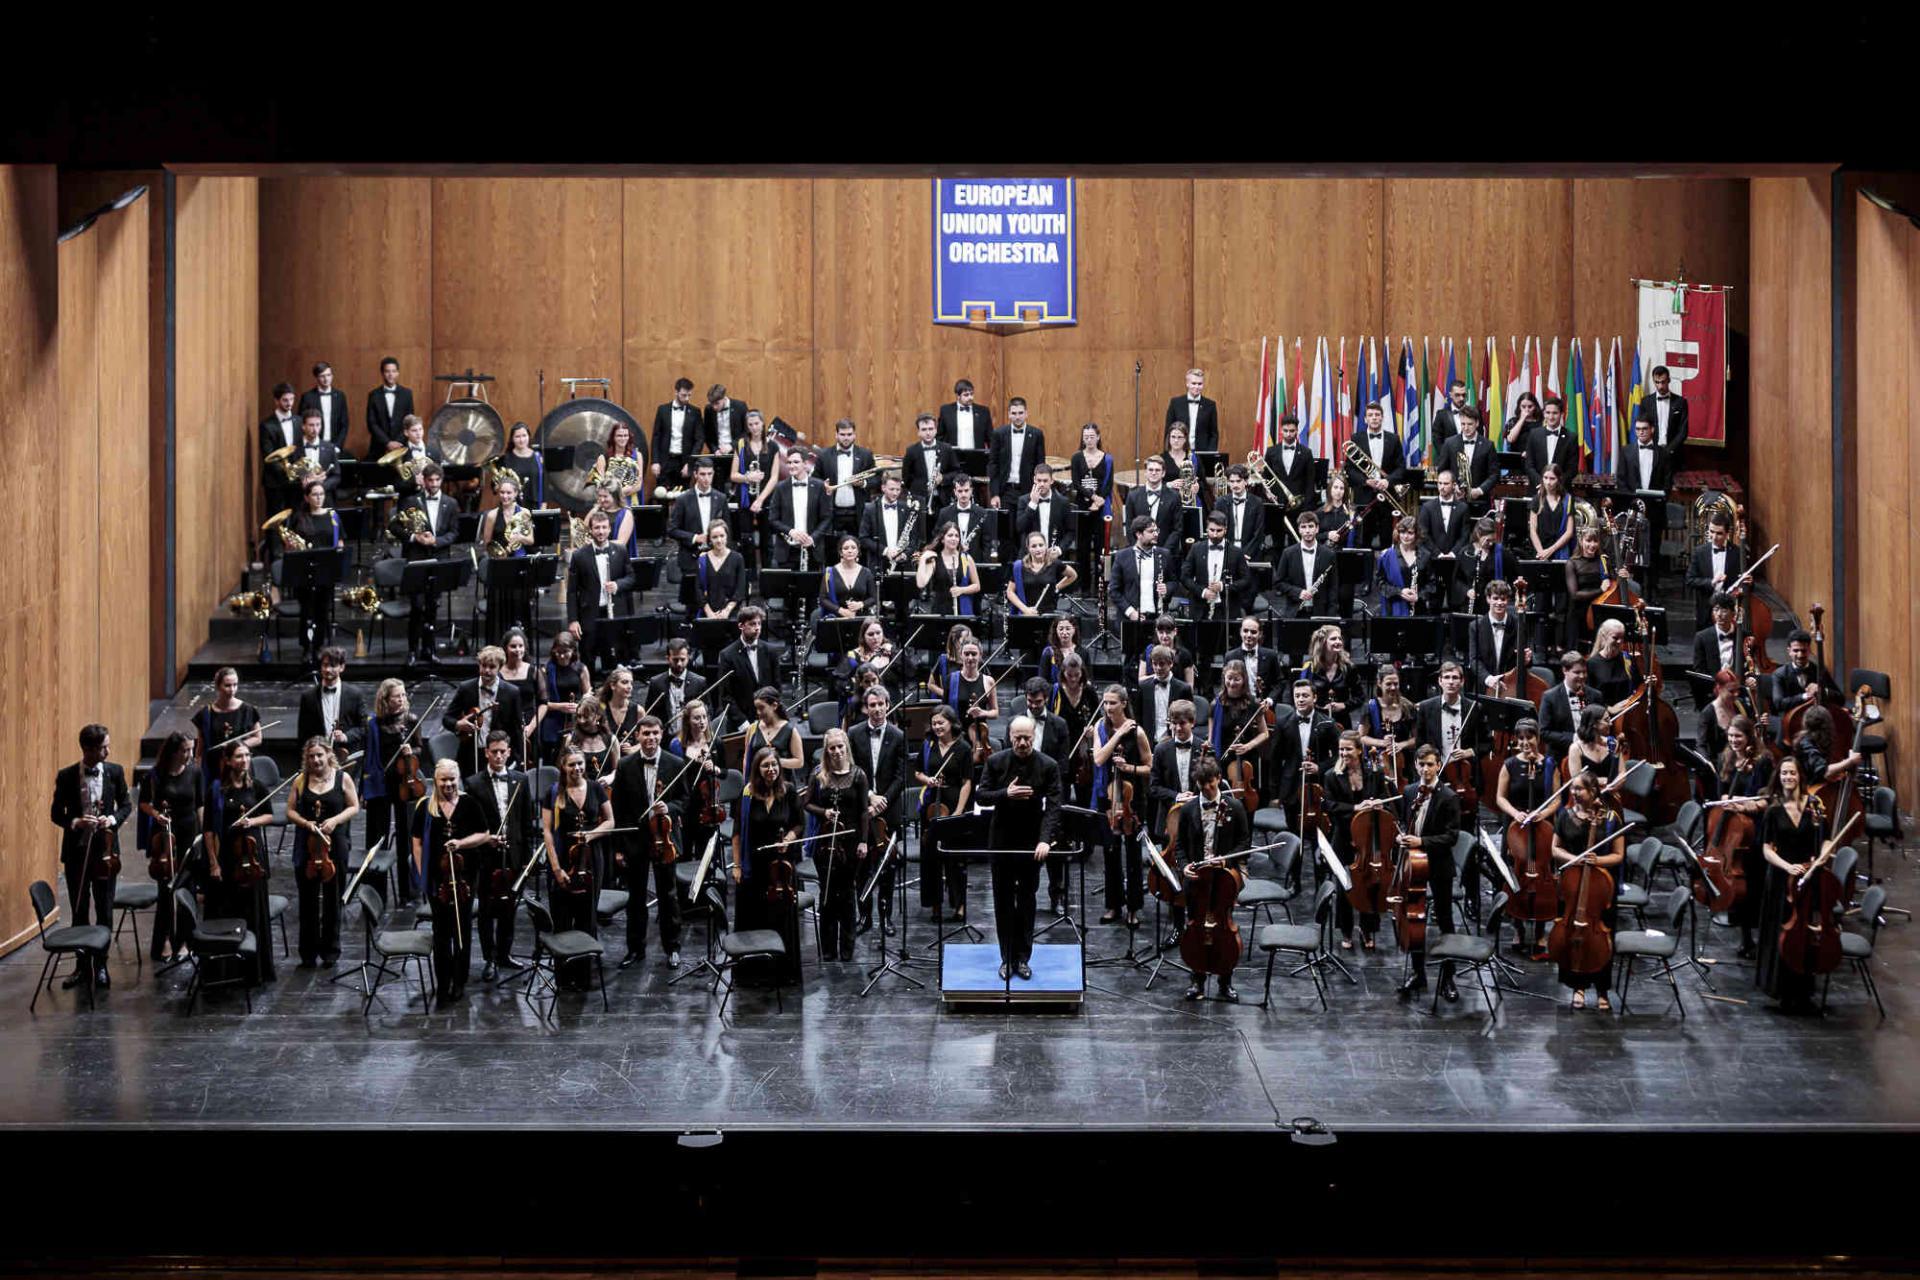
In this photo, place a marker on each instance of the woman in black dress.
(1092, 492)
(1336, 517)
(322, 805)
(389, 737)
(837, 796)
(1036, 579)
(628, 480)
(522, 675)
(720, 576)
(563, 681)
(947, 662)
(593, 739)
(1330, 671)
(526, 464)
(1064, 640)
(576, 807)
(767, 820)
(945, 774)
(1180, 465)
(431, 828)
(1401, 572)
(848, 587)
(1387, 727)
(1349, 783)
(1790, 834)
(771, 729)
(1595, 751)
(1550, 529)
(223, 720)
(623, 713)
(1746, 778)
(948, 574)
(1526, 783)
(1578, 825)
(971, 692)
(1231, 734)
(233, 795)
(1585, 578)
(1525, 419)
(173, 796)
(1073, 701)
(505, 533)
(1717, 717)
(1609, 667)
(317, 526)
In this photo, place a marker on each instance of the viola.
(1810, 938)
(1581, 942)
(1239, 779)
(1125, 819)
(160, 852)
(982, 739)
(1373, 832)
(104, 857)
(706, 796)
(1750, 610)
(579, 865)
(319, 857)
(453, 878)
(782, 890)
(1724, 883)
(1210, 941)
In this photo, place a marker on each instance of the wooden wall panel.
(1632, 228)
(344, 266)
(77, 563)
(717, 286)
(877, 357)
(31, 741)
(1789, 482)
(1466, 258)
(525, 278)
(1278, 259)
(1136, 271)
(126, 489)
(217, 362)
(1887, 371)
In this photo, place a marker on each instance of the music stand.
(548, 527)
(711, 635)
(1029, 635)
(455, 474)
(1077, 828)
(899, 590)
(1403, 637)
(1354, 572)
(1294, 636)
(557, 457)
(1693, 956)
(838, 635)
(312, 575)
(1505, 972)
(958, 829)
(1624, 615)
(895, 851)
(973, 462)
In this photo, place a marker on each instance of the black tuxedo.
(1445, 427)
(1557, 719)
(1252, 541)
(1475, 733)
(1455, 537)
(1144, 710)
(478, 811)
(1480, 472)
(1232, 831)
(1000, 461)
(1125, 575)
(980, 539)
(1649, 411)
(1393, 463)
(352, 721)
(889, 780)
(693, 440)
(1203, 429)
(1015, 828)
(874, 542)
(506, 717)
(1026, 520)
(1700, 578)
(743, 682)
(333, 428)
(1165, 512)
(914, 472)
(949, 428)
(693, 685)
(117, 802)
(684, 523)
(1323, 746)
(633, 802)
(424, 610)
(1298, 478)
(1481, 660)
(827, 471)
(1233, 572)
(1163, 783)
(1631, 476)
(1438, 828)
(1706, 652)
(735, 421)
(588, 605)
(1290, 579)
(1566, 453)
(326, 454)
(819, 521)
(1264, 672)
(271, 436)
(384, 427)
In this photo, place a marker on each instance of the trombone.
(1361, 459)
(1269, 479)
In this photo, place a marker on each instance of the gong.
(467, 432)
(583, 424)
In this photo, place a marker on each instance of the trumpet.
(1391, 495)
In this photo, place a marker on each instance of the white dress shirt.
(842, 477)
(677, 429)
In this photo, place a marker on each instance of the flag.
(1684, 328)
(1596, 412)
(1615, 441)
(1497, 429)
(1576, 395)
(1320, 405)
(1473, 387)
(1442, 393)
(1636, 385)
(1496, 391)
(1343, 407)
(1280, 402)
(1553, 370)
(1299, 386)
(1426, 388)
(1383, 386)
(1263, 425)
(1416, 433)
(1362, 389)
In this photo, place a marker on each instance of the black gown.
(1340, 799)
(452, 919)
(1754, 780)
(954, 767)
(226, 896)
(1572, 832)
(320, 901)
(577, 906)
(841, 803)
(757, 823)
(182, 797)
(1796, 843)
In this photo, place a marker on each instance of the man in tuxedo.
(1446, 423)
(1667, 411)
(1042, 510)
(331, 710)
(1715, 565)
(597, 575)
(1022, 787)
(1646, 465)
(847, 459)
(1470, 458)
(1209, 819)
(278, 430)
(1305, 742)
(1017, 449)
(1217, 582)
(1246, 518)
(1292, 463)
(1301, 567)
(669, 692)
(799, 507)
(1430, 822)
(1719, 646)
(1198, 414)
(1390, 466)
(1450, 720)
(1560, 706)
(748, 664)
(928, 458)
(1263, 664)
(442, 525)
(413, 439)
(89, 799)
(317, 450)
(644, 786)
(1171, 781)
(1154, 697)
(481, 705)
(724, 423)
(693, 511)
(497, 797)
(1797, 680)
(1157, 501)
(332, 404)
(1137, 579)
(678, 434)
(1445, 528)
(964, 424)
(880, 750)
(1054, 740)
(1496, 641)
(1552, 443)
(978, 526)
(388, 406)
(889, 524)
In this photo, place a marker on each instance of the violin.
(782, 889)
(1581, 942)
(1810, 938)
(160, 852)
(1210, 941)
(103, 854)
(1409, 896)
(706, 796)
(1168, 891)
(319, 853)
(660, 828)
(453, 886)
(409, 785)
(579, 865)
(1373, 832)
(247, 868)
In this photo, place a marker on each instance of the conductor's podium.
(970, 974)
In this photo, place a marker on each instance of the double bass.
(1849, 804)
(1530, 850)
(1810, 938)
(1651, 728)
(1749, 610)
(1210, 941)
(1409, 897)
(1581, 941)
(1791, 722)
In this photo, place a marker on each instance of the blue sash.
(1391, 568)
(373, 785)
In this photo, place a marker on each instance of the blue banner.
(1003, 251)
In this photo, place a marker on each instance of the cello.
(1723, 882)
(1374, 834)
(1210, 941)
(1581, 941)
(1810, 938)
(1530, 850)
(1849, 804)
(1652, 728)
(1749, 610)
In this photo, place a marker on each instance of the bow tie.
(1161, 683)
(94, 772)
(893, 506)
(1193, 399)
(1183, 746)
(499, 779)
(1239, 502)
(652, 762)
(676, 681)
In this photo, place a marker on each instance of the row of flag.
(1600, 392)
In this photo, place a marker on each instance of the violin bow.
(259, 728)
(391, 760)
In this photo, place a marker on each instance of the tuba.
(1360, 459)
(518, 525)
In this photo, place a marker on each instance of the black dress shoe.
(1195, 990)
(489, 973)
(1025, 971)
(1417, 983)
(72, 980)
(673, 960)
(846, 955)
(101, 980)
(509, 964)
(630, 959)
(1006, 971)
(1228, 994)
(1171, 942)
(1449, 992)
(864, 926)
(886, 927)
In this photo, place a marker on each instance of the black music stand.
(557, 457)
(1353, 572)
(423, 578)
(1403, 638)
(1294, 636)
(1624, 615)
(711, 635)
(896, 851)
(899, 590)
(974, 463)
(838, 635)
(933, 629)
(993, 583)
(1077, 828)
(795, 589)
(512, 578)
(627, 636)
(649, 522)
(1029, 635)
(961, 830)
(548, 528)
(312, 575)
(455, 474)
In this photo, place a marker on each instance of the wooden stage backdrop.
(810, 297)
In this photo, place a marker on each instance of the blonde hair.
(492, 653)
(388, 688)
(1614, 625)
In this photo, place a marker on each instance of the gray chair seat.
(1632, 895)
(753, 942)
(1855, 946)
(1269, 820)
(135, 895)
(611, 903)
(277, 905)
(1469, 947)
(572, 944)
(1640, 942)
(1881, 827)
(806, 899)
(78, 937)
(422, 913)
(1256, 892)
(405, 942)
(1288, 937)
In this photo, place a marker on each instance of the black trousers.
(97, 894)
(380, 812)
(1016, 880)
(596, 641)
(495, 917)
(452, 947)
(1439, 907)
(666, 892)
(319, 916)
(936, 870)
(1122, 855)
(423, 618)
(840, 879)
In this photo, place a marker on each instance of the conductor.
(1023, 786)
